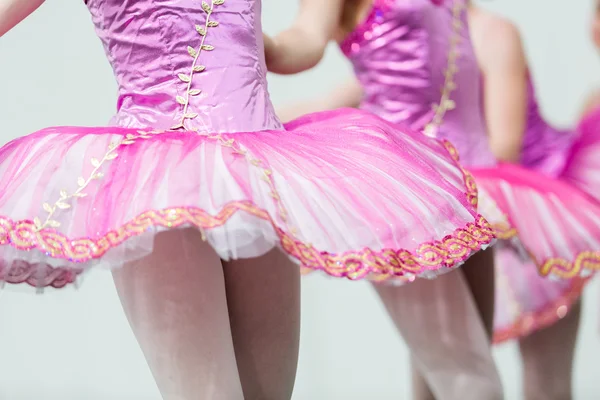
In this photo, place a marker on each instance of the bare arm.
(14, 11)
(302, 46)
(502, 60)
(348, 94)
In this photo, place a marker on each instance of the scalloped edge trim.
(530, 322)
(365, 263)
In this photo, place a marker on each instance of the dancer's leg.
(548, 359)
(420, 389)
(480, 277)
(176, 305)
(263, 295)
(440, 323)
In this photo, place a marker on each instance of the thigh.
(441, 326)
(420, 387)
(175, 302)
(263, 296)
(480, 276)
(548, 356)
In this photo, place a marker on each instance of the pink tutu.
(557, 219)
(343, 192)
(526, 302)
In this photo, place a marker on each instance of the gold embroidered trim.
(446, 103)
(353, 264)
(528, 322)
(196, 68)
(65, 197)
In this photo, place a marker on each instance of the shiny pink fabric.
(545, 148)
(344, 192)
(400, 54)
(558, 224)
(146, 43)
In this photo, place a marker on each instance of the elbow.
(511, 158)
(291, 68)
(295, 50)
(507, 152)
(296, 63)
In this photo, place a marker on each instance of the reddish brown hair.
(349, 17)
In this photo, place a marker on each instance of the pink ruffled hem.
(558, 224)
(533, 321)
(22, 235)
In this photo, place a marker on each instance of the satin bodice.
(545, 148)
(179, 63)
(400, 54)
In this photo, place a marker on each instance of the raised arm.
(14, 11)
(302, 46)
(502, 60)
(349, 94)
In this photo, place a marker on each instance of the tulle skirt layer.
(341, 192)
(525, 301)
(556, 213)
(558, 224)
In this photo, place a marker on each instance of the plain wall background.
(77, 345)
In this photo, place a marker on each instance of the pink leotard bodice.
(167, 65)
(400, 55)
(545, 148)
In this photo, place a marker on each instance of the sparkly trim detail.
(368, 28)
(446, 103)
(530, 322)
(557, 267)
(504, 231)
(472, 193)
(565, 269)
(24, 235)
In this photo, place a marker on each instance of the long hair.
(349, 17)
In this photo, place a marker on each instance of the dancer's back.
(407, 55)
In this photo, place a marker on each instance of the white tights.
(441, 325)
(214, 330)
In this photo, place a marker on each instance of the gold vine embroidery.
(267, 174)
(446, 103)
(63, 201)
(111, 154)
(196, 68)
(267, 177)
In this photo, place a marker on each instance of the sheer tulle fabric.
(343, 192)
(558, 219)
(525, 301)
(583, 164)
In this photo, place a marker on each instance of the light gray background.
(77, 345)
